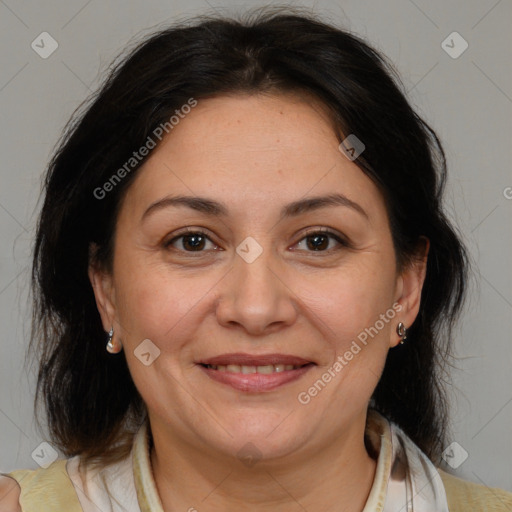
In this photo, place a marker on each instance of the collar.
(145, 486)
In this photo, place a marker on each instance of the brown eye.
(321, 241)
(317, 242)
(194, 241)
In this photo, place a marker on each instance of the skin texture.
(255, 154)
(9, 495)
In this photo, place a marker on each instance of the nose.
(256, 297)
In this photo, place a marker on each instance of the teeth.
(265, 369)
(270, 368)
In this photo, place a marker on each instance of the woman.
(252, 212)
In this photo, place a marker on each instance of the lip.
(255, 382)
(243, 359)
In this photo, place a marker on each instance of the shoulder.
(464, 495)
(41, 490)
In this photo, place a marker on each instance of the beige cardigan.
(467, 496)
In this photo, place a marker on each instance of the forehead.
(256, 149)
(268, 127)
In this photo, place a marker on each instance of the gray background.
(468, 100)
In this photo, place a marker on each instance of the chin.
(271, 437)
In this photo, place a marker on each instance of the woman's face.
(218, 260)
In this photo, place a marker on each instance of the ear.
(104, 293)
(408, 288)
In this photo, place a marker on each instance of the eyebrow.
(216, 209)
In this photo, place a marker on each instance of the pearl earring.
(110, 343)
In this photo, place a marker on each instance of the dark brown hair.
(91, 403)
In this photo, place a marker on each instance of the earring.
(110, 345)
(402, 332)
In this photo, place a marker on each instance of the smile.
(255, 373)
(269, 368)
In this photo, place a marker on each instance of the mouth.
(255, 374)
(246, 370)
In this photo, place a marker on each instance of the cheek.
(350, 303)
(157, 303)
(351, 299)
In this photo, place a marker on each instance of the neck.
(338, 476)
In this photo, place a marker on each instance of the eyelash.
(321, 231)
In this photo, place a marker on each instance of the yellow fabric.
(464, 496)
(47, 490)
